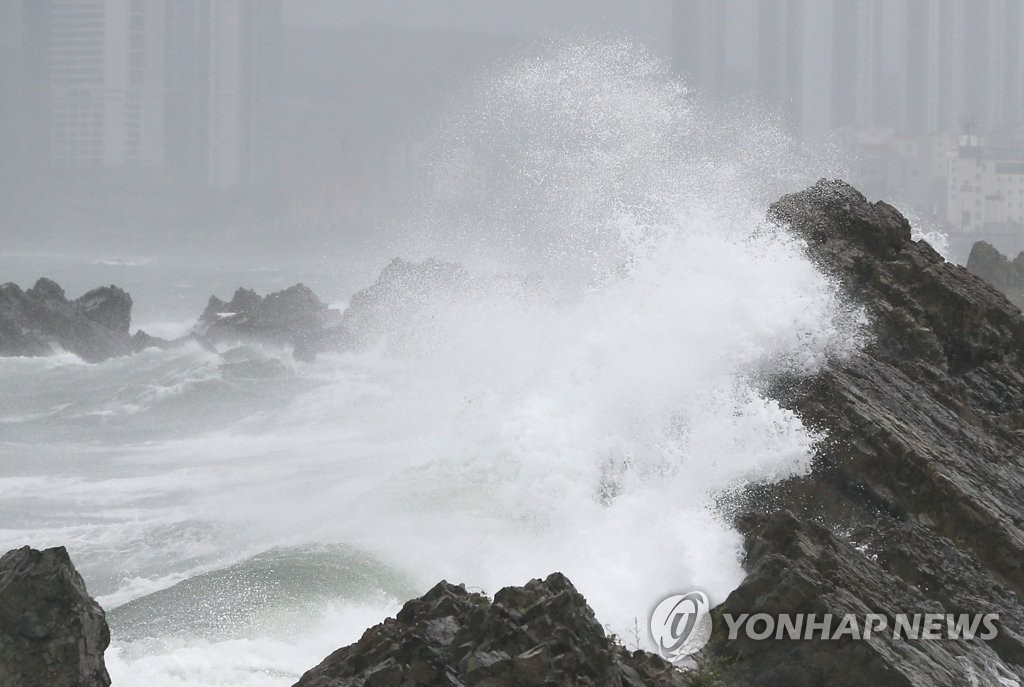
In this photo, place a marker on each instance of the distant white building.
(986, 193)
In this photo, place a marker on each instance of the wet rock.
(916, 498)
(999, 271)
(800, 567)
(51, 633)
(386, 307)
(42, 321)
(543, 633)
(292, 317)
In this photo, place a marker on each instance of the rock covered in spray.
(543, 633)
(915, 499)
(294, 316)
(43, 321)
(913, 505)
(51, 633)
(398, 296)
(297, 317)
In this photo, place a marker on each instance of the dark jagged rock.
(296, 317)
(918, 492)
(398, 295)
(798, 566)
(41, 321)
(51, 633)
(999, 271)
(293, 317)
(543, 633)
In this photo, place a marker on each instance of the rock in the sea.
(915, 502)
(388, 305)
(42, 321)
(51, 633)
(543, 633)
(141, 340)
(1006, 275)
(386, 310)
(293, 317)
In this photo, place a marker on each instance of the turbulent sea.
(584, 406)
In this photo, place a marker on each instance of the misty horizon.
(328, 110)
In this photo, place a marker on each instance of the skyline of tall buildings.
(182, 92)
(911, 65)
(105, 82)
(171, 112)
(222, 90)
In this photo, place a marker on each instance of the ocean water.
(241, 515)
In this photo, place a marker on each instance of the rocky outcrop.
(141, 340)
(387, 310)
(915, 501)
(386, 306)
(999, 271)
(543, 633)
(293, 317)
(51, 633)
(42, 321)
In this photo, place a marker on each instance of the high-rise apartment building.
(183, 91)
(222, 91)
(106, 83)
(25, 108)
(918, 65)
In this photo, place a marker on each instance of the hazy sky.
(648, 21)
(112, 127)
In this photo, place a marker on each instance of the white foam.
(263, 662)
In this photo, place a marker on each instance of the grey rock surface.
(543, 633)
(42, 321)
(52, 634)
